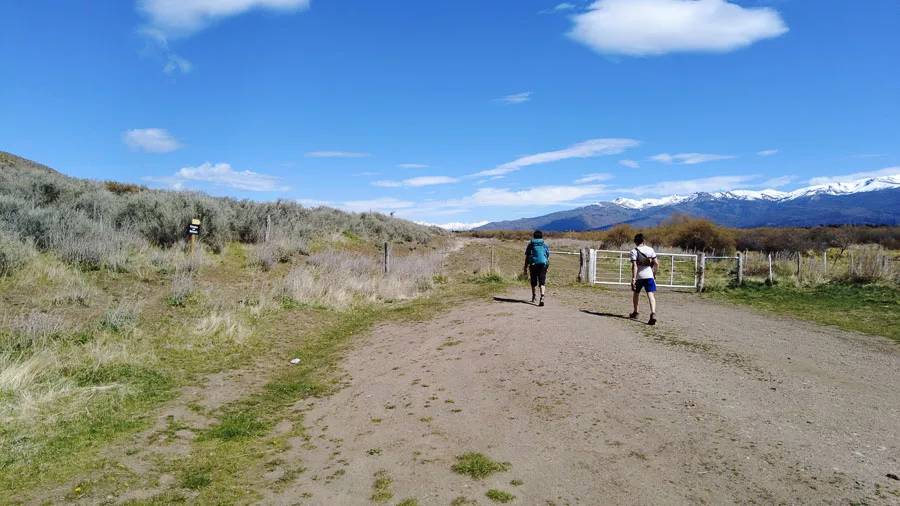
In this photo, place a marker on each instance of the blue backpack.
(538, 252)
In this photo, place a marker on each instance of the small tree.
(698, 234)
(619, 235)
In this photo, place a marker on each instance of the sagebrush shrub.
(13, 254)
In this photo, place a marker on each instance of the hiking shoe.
(533, 299)
(633, 315)
(541, 303)
(652, 319)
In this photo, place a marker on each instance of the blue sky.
(460, 111)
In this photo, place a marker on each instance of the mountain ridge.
(868, 201)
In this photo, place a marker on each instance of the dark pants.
(539, 274)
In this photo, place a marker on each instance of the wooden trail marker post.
(740, 269)
(702, 273)
(193, 231)
(771, 273)
(492, 259)
(387, 259)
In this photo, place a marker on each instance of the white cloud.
(685, 187)
(185, 17)
(777, 181)
(417, 182)
(563, 7)
(172, 19)
(177, 63)
(594, 178)
(630, 163)
(316, 203)
(689, 158)
(151, 140)
(455, 225)
(221, 174)
(537, 196)
(768, 152)
(869, 155)
(518, 98)
(655, 27)
(383, 204)
(586, 149)
(848, 178)
(336, 154)
(412, 166)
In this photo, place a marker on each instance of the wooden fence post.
(799, 258)
(825, 260)
(740, 269)
(771, 272)
(268, 225)
(702, 281)
(492, 259)
(387, 259)
(582, 266)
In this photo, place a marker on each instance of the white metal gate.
(607, 267)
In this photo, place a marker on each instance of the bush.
(13, 254)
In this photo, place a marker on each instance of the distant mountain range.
(874, 201)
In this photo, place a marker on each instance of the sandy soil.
(715, 405)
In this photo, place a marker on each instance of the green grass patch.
(381, 489)
(478, 466)
(195, 479)
(492, 278)
(870, 309)
(409, 501)
(499, 496)
(236, 426)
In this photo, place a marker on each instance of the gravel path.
(716, 404)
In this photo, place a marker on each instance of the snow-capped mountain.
(860, 186)
(872, 201)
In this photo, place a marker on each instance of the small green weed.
(195, 479)
(492, 278)
(499, 496)
(382, 486)
(236, 426)
(478, 466)
(409, 501)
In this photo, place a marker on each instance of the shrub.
(13, 254)
(120, 320)
(698, 234)
(181, 291)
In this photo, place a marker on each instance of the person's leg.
(635, 299)
(542, 279)
(652, 302)
(650, 295)
(534, 282)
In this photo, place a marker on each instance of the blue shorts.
(648, 284)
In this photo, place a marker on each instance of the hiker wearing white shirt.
(644, 266)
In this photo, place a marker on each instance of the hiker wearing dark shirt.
(537, 259)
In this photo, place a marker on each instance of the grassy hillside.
(107, 315)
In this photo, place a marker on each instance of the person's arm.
(634, 269)
(654, 262)
(527, 254)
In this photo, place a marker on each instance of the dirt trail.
(715, 405)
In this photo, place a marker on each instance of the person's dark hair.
(538, 234)
(639, 239)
